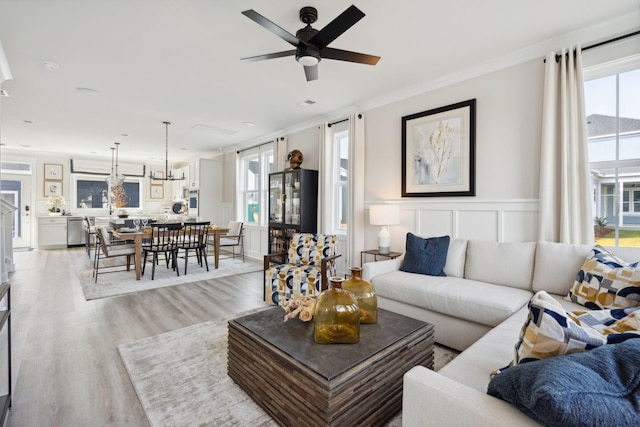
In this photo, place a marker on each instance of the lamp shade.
(384, 214)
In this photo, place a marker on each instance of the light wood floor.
(66, 368)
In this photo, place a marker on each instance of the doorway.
(16, 189)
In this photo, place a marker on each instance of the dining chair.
(89, 234)
(234, 237)
(163, 239)
(106, 248)
(193, 236)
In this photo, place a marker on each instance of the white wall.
(508, 121)
(307, 142)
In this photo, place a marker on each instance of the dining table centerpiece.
(55, 203)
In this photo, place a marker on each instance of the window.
(254, 168)
(612, 92)
(92, 192)
(20, 168)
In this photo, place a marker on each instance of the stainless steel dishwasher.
(75, 231)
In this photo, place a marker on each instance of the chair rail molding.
(500, 220)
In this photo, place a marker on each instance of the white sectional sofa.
(478, 308)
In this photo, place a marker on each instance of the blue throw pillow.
(595, 388)
(426, 256)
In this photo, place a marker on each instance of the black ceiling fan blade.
(335, 28)
(311, 72)
(275, 29)
(269, 56)
(345, 55)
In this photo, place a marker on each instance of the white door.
(16, 189)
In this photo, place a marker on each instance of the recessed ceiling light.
(87, 91)
(50, 66)
(248, 124)
(306, 103)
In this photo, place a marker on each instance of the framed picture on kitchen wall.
(157, 191)
(52, 172)
(438, 151)
(52, 188)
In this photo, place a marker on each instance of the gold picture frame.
(157, 191)
(53, 172)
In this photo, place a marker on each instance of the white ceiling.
(179, 61)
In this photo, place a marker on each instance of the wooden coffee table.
(300, 382)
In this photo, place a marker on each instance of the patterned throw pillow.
(606, 281)
(551, 331)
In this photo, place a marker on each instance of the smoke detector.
(50, 66)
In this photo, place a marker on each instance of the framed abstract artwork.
(438, 151)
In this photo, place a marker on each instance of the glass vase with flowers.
(55, 203)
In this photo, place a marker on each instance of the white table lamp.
(384, 215)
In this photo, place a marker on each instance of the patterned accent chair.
(309, 259)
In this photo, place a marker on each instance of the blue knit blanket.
(600, 387)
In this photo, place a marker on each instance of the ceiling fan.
(311, 44)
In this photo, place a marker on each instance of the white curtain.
(355, 233)
(565, 197)
(325, 179)
(356, 188)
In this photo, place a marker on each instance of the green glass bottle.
(365, 294)
(336, 319)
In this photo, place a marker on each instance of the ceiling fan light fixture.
(308, 60)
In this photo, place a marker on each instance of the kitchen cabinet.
(293, 206)
(209, 187)
(52, 232)
(194, 174)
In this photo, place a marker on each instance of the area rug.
(181, 379)
(124, 282)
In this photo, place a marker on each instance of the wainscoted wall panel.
(255, 241)
(477, 224)
(435, 222)
(495, 220)
(519, 226)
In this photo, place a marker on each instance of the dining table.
(138, 236)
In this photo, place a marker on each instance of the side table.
(376, 253)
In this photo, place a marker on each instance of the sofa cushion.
(551, 331)
(455, 258)
(493, 350)
(479, 302)
(600, 387)
(508, 264)
(606, 281)
(425, 256)
(556, 265)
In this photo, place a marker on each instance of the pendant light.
(115, 178)
(168, 174)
